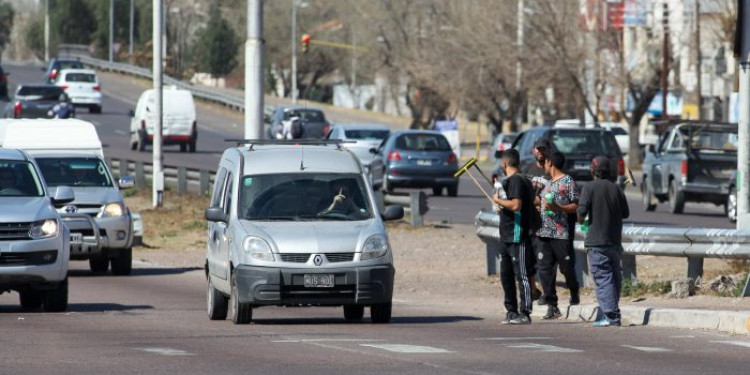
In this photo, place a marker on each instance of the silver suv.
(296, 224)
(34, 243)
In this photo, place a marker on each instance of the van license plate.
(76, 237)
(324, 280)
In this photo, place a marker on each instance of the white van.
(69, 153)
(179, 125)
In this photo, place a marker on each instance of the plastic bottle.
(585, 225)
(499, 191)
(549, 198)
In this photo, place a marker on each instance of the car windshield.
(19, 179)
(80, 77)
(69, 65)
(45, 92)
(366, 135)
(584, 142)
(710, 140)
(304, 197)
(308, 115)
(86, 172)
(423, 142)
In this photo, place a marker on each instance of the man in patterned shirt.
(558, 199)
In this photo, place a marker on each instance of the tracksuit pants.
(606, 269)
(516, 264)
(553, 252)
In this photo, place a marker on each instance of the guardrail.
(414, 203)
(693, 244)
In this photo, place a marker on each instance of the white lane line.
(512, 338)
(738, 343)
(411, 349)
(165, 351)
(325, 340)
(120, 132)
(648, 349)
(545, 348)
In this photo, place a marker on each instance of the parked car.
(179, 125)
(692, 162)
(364, 140)
(313, 120)
(34, 101)
(69, 153)
(82, 87)
(57, 64)
(501, 143)
(419, 159)
(621, 135)
(34, 243)
(579, 145)
(295, 224)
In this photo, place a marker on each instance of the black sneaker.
(521, 319)
(542, 301)
(536, 294)
(575, 299)
(509, 317)
(552, 313)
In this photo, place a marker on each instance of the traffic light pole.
(293, 77)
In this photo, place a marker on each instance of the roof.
(11, 154)
(287, 157)
(45, 135)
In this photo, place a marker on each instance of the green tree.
(216, 46)
(100, 36)
(33, 34)
(6, 24)
(72, 21)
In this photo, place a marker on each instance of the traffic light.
(305, 42)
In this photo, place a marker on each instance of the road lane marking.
(325, 340)
(411, 349)
(648, 349)
(738, 343)
(120, 132)
(512, 338)
(545, 348)
(166, 351)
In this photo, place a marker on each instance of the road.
(154, 322)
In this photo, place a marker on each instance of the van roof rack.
(301, 142)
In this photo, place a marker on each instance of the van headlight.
(257, 248)
(375, 247)
(44, 229)
(115, 209)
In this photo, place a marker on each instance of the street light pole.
(743, 134)
(46, 30)
(254, 71)
(665, 62)
(294, 51)
(158, 172)
(111, 27)
(132, 21)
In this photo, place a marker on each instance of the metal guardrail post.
(182, 184)
(746, 291)
(415, 215)
(582, 268)
(694, 267)
(140, 174)
(122, 168)
(493, 256)
(205, 181)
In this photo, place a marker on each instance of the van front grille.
(339, 257)
(295, 258)
(15, 231)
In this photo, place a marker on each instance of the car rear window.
(308, 115)
(367, 134)
(423, 142)
(70, 65)
(46, 92)
(80, 77)
(584, 142)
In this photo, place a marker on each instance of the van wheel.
(99, 263)
(676, 198)
(183, 147)
(381, 312)
(30, 299)
(216, 302)
(354, 312)
(133, 145)
(56, 300)
(95, 109)
(241, 313)
(193, 141)
(123, 264)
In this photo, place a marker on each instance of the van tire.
(123, 264)
(95, 109)
(676, 198)
(216, 302)
(133, 145)
(99, 263)
(193, 141)
(241, 313)
(646, 197)
(30, 299)
(381, 312)
(56, 300)
(354, 312)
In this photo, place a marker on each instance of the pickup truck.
(691, 162)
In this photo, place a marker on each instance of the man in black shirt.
(603, 205)
(515, 231)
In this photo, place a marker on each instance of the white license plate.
(424, 162)
(581, 165)
(76, 237)
(319, 280)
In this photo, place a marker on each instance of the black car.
(59, 63)
(579, 145)
(33, 101)
(313, 120)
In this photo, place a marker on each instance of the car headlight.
(257, 248)
(115, 209)
(375, 247)
(44, 229)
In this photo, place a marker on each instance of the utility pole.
(294, 51)
(519, 66)
(158, 172)
(46, 30)
(743, 149)
(132, 21)
(698, 58)
(254, 71)
(111, 27)
(665, 62)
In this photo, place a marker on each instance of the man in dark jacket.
(603, 206)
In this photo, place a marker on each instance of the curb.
(736, 322)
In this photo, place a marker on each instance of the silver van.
(34, 242)
(295, 223)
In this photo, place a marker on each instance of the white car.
(82, 87)
(179, 126)
(365, 140)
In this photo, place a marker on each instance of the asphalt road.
(154, 322)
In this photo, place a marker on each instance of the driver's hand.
(339, 198)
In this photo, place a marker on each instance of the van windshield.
(19, 179)
(84, 172)
(304, 197)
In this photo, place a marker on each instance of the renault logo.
(318, 260)
(70, 209)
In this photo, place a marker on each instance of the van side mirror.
(63, 195)
(126, 182)
(216, 214)
(393, 213)
(131, 112)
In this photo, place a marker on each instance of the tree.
(33, 34)
(6, 24)
(72, 21)
(217, 44)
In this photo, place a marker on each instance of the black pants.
(554, 252)
(516, 264)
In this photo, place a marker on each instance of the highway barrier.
(693, 244)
